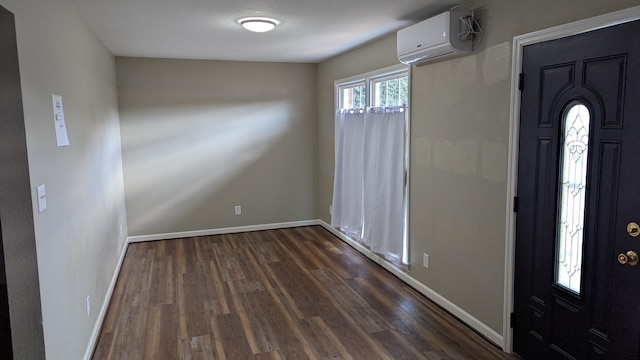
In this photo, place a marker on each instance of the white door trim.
(519, 42)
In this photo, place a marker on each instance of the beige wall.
(200, 137)
(459, 139)
(77, 238)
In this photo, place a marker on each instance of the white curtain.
(368, 193)
(347, 209)
(384, 181)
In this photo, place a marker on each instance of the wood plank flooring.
(297, 293)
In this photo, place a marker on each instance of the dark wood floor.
(283, 294)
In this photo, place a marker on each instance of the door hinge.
(515, 204)
(520, 81)
(512, 320)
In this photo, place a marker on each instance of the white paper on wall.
(62, 139)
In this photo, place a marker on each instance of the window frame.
(384, 78)
(367, 79)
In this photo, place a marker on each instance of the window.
(369, 198)
(391, 91)
(386, 88)
(353, 97)
(573, 181)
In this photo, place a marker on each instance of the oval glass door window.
(573, 181)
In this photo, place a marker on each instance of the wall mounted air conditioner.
(435, 39)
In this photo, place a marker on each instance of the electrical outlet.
(88, 305)
(120, 230)
(425, 260)
(238, 210)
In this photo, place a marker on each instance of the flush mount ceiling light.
(258, 24)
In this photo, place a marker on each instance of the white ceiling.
(311, 30)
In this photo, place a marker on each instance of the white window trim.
(366, 79)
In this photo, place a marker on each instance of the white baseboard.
(455, 310)
(93, 340)
(229, 230)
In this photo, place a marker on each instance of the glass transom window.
(353, 97)
(393, 91)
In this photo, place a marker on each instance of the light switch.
(42, 198)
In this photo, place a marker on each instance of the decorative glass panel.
(573, 180)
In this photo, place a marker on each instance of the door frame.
(557, 32)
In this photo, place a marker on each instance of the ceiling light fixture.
(259, 24)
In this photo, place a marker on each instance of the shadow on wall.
(203, 145)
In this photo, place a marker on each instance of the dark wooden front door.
(577, 294)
